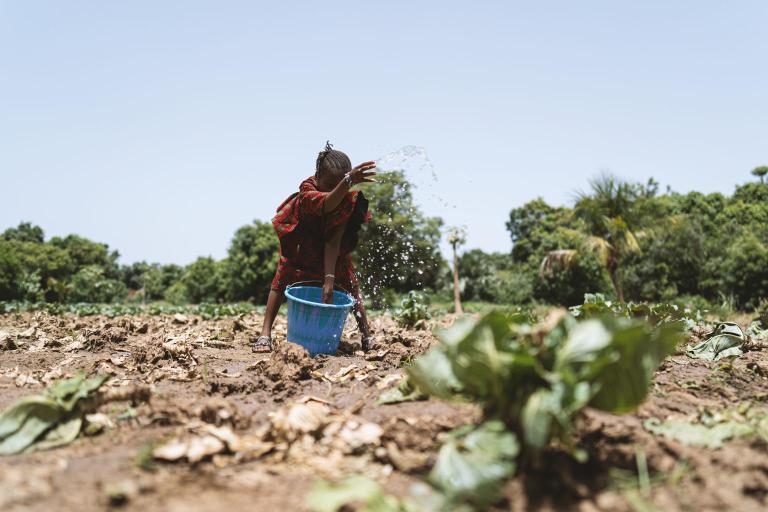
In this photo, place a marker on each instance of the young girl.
(318, 228)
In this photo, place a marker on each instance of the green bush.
(177, 294)
(513, 287)
(251, 262)
(671, 263)
(40, 264)
(568, 286)
(204, 280)
(86, 253)
(745, 271)
(11, 273)
(90, 284)
(494, 277)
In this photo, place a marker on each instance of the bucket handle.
(317, 281)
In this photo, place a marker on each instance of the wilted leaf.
(756, 331)
(63, 433)
(25, 421)
(724, 341)
(695, 434)
(50, 419)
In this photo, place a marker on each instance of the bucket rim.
(319, 304)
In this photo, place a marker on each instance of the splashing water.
(412, 160)
(420, 172)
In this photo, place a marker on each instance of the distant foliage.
(493, 277)
(91, 284)
(150, 281)
(11, 273)
(536, 230)
(398, 252)
(112, 310)
(25, 232)
(203, 280)
(745, 270)
(251, 262)
(694, 248)
(709, 245)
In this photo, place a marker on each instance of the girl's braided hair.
(331, 160)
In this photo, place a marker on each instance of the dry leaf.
(296, 419)
(97, 422)
(388, 380)
(26, 379)
(171, 451)
(178, 318)
(377, 356)
(201, 447)
(357, 433)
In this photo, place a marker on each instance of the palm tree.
(608, 217)
(456, 237)
(760, 172)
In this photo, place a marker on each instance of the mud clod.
(288, 363)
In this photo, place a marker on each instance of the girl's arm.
(357, 175)
(332, 245)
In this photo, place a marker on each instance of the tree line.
(632, 242)
(398, 252)
(625, 239)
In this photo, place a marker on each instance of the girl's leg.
(274, 302)
(362, 319)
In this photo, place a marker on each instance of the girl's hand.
(328, 289)
(362, 173)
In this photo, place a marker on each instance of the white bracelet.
(330, 275)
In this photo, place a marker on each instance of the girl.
(317, 228)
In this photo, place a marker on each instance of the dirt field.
(202, 375)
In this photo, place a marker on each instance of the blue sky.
(160, 127)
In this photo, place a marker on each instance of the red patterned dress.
(302, 228)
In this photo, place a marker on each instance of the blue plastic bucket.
(314, 325)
